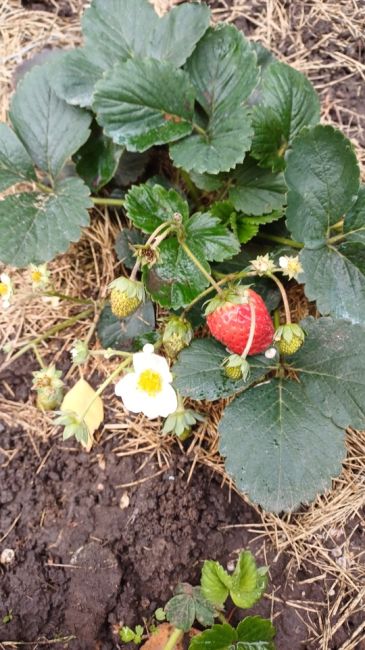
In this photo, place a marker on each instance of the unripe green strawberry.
(177, 335)
(49, 386)
(233, 372)
(229, 320)
(290, 338)
(49, 400)
(126, 296)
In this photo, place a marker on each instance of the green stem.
(154, 245)
(338, 225)
(105, 201)
(336, 238)
(223, 280)
(280, 240)
(38, 357)
(283, 296)
(199, 130)
(276, 318)
(221, 617)
(63, 296)
(173, 639)
(50, 332)
(44, 188)
(200, 267)
(106, 383)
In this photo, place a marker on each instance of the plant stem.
(50, 332)
(173, 639)
(63, 296)
(252, 330)
(193, 190)
(336, 238)
(283, 296)
(199, 130)
(276, 318)
(280, 240)
(38, 356)
(156, 242)
(200, 267)
(44, 188)
(221, 617)
(106, 383)
(223, 280)
(338, 225)
(106, 201)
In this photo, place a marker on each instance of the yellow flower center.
(4, 289)
(36, 276)
(150, 382)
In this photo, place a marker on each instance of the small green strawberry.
(290, 338)
(236, 367)
(126, 296)
(49, 386)
(177, 335)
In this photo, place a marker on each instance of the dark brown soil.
(91, 555)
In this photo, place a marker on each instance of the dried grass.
(319, 537)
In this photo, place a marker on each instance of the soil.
(91, 555)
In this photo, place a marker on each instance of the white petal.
(126, 388)
(167, 401)
(148, 348)
(283, 262)
(143, 361)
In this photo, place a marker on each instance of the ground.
(101, 539)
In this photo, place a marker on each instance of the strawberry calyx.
(232, 295)
(132, 288)
(290, 338)
(236, 367)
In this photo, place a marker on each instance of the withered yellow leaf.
(78, 400)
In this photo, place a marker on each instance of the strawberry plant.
(205, 603)
(230, 191)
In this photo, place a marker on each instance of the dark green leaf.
(180, 611)
(207, 182)
(215, 582)
(214, 240)
(49, 128)
(73, 75)
(354, 222)
(246, 230)
(199, 374)
(219, 637)
(97, 160)
(288, 103)
(124, 243)
(132, 166)
(335, 278)
(144, 102)
(248, 582)
(148, 206)
(257, 191)
(331, 364)
(175, 280)
(15, 163)
(35, 227)
(223, 71)
(288, 450)
(204, 610)
(255, 633)
(323, 180)
(120, 334)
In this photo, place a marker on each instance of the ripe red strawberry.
(229, 318)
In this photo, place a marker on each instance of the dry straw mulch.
(323, 39)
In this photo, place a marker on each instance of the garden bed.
(102, 539)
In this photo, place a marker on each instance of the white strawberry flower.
(291, 266)
(262, 264)
(6, 290)
(148, 389)
(39, 276)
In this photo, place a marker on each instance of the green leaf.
(246, 230)
(354, 222)
(15, 164)
(132, 166)
(73, 75)
(215, 582)
(257, 191)
(224, 72)
(35, 227)
(174, 281)
(219, 637)
(121, 334)
(122, 29)
(50, 129)
(323, 180)
(255, 633)
(124, 243)
(149, 206)
(331, 364)
(248, 582)
(214, 240)
(97, 160)
(144, 102)
(204, 610)
(278, 446)
(335, 278)
(199, 374)
(288, 102)
(180, 611)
